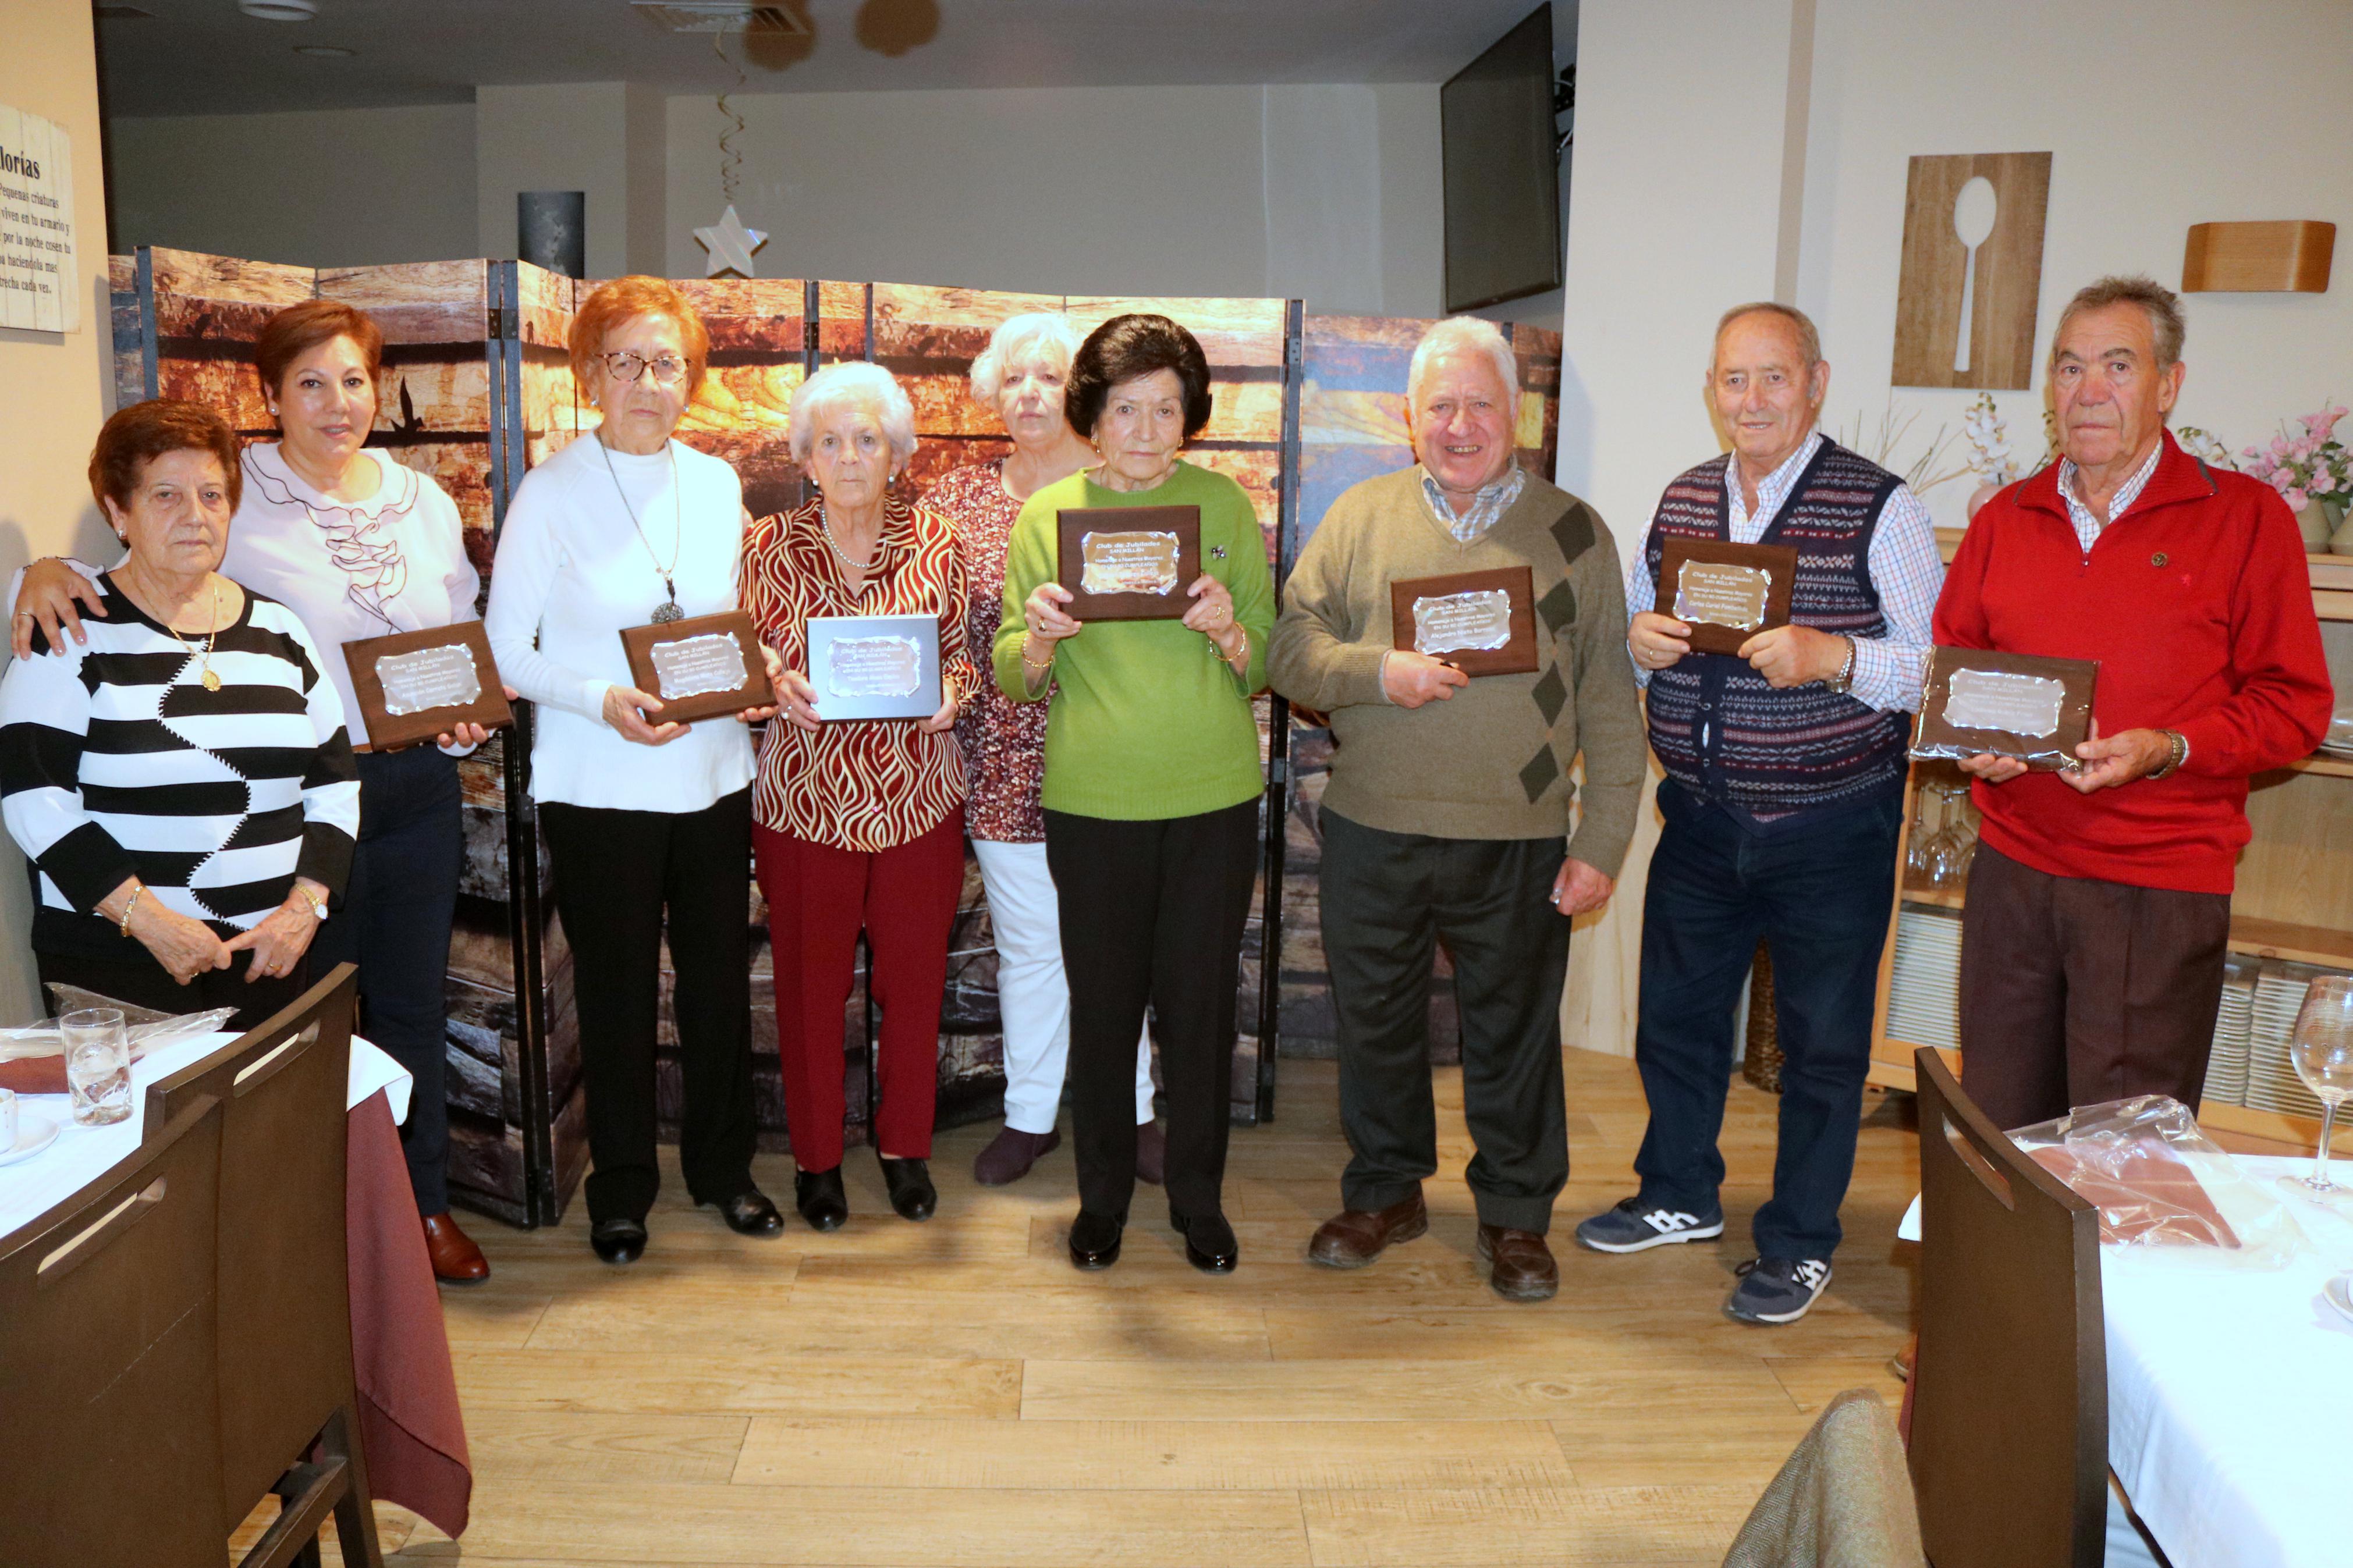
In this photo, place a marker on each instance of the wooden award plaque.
(1156, 545)
(1737, 590)
(2019, 705)
(686, 656)
(1481, 623)
(427, 674)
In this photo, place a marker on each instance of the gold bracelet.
(1241, 653)
(129, 904)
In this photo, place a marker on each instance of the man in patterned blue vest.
(1784, 784)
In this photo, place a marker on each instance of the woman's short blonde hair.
(851, 381)
(1041, 335)
(624, 300)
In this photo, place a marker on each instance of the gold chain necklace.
(204, 659)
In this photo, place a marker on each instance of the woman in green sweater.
(1152, 784)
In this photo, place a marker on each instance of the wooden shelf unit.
(2295, 897)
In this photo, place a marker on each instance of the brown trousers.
(2075, 991)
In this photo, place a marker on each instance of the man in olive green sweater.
(1448, 815)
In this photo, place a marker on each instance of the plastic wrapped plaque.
(1128, 562)
(1481, 623)
(1976, 701)
(699, 668)
(1725, 593)
(414, 686)
(874, 667)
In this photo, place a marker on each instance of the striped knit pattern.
(1717, 726)
(865, 784)
(115, 762)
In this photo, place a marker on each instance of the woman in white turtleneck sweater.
(642, 815)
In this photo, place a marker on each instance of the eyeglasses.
(627, 366)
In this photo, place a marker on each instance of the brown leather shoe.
(1151, 1153)
(1354, 1238)
(456, 1259)
(1010, 1155)
(1520, 1265)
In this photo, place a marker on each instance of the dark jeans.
(394, 922)
(615, 873)
(1153, 912)
(1388, 899)
(1819, 892)
(2075, 991)
(138, 979)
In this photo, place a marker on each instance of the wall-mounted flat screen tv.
(1502, 179)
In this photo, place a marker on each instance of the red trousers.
(819, 898)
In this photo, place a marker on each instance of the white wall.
(603, 139)
(335, 188)
(54, 386)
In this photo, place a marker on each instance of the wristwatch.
(318, 905)
(2176, 755)
(1844, 681)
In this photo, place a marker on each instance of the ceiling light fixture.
(280, 10)
(721, 16)
(323, 52)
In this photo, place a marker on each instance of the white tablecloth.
(2229, 1397)
(82, 1155)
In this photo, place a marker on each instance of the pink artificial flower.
(2279, 446)
(2296, 499)
(2323, 422)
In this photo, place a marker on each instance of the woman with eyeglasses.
(645, 817)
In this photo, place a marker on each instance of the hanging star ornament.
(731, 245)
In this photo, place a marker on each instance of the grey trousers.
(1388, 899)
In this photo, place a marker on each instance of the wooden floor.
(955, 1394)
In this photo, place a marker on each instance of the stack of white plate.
(2272, 1083)
(2226, 1069)
(1923, 995)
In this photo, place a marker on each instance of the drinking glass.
(2322, 1050)
(1918, 859)
(98, 1065)
(1945, 863)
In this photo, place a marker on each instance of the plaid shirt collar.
(1487, 508)
(2087, 527)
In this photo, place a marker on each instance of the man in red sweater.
(2099, 901)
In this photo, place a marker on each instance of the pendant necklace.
(667, 610)
(212, 682)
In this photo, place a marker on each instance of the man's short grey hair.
(1462, 334)
(2163, 305)
(1809, 340)
(1042, 335)
(854, 381)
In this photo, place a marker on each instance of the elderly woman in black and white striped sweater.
(183, 781)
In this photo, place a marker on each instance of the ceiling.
(205, 57)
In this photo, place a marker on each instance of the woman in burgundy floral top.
(1019, 379)
(857, 824)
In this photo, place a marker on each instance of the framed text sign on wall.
(40, 289)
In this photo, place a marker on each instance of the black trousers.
(1153, 912)
(615, 873)
(394, 922)
(137, 978)
(1388, 899)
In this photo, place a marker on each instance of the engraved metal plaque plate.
(874, 667)
(692, 666)
(1455, 623)
(2026, 705)
(1136, 563)
(440, 677)
(1723, 595)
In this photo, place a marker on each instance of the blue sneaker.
(1778, 1290)
(1636, 1227)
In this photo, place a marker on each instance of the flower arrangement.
(2306, 467)
(1988, 437)
(2205, 446)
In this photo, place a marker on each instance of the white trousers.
(1033, 997)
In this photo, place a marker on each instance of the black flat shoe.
(749, 1213)
(1209, 1244)
(909, 1184)
(1094, 1240)
(619, 1240)
(818, 1195)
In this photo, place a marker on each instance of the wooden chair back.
(286, 1380)
(110, 1442)
(2010, 1412)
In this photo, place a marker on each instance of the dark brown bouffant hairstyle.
(298, 328)
(143, 432)
(624, 300)
(1126, 347)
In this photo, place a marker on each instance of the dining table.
(411, 1431)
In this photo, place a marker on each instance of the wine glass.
(2322, 1050)
(1945, 866)
(1918, 860)
(1965, 831)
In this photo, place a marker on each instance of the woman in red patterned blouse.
(857, 824)
(1020, 379)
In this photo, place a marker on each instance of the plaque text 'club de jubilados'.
(874, 667)
(1481, 623)
(1725, 593)
(1128, 562)
(1975, 702)
(415, 686)
(698, 668)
